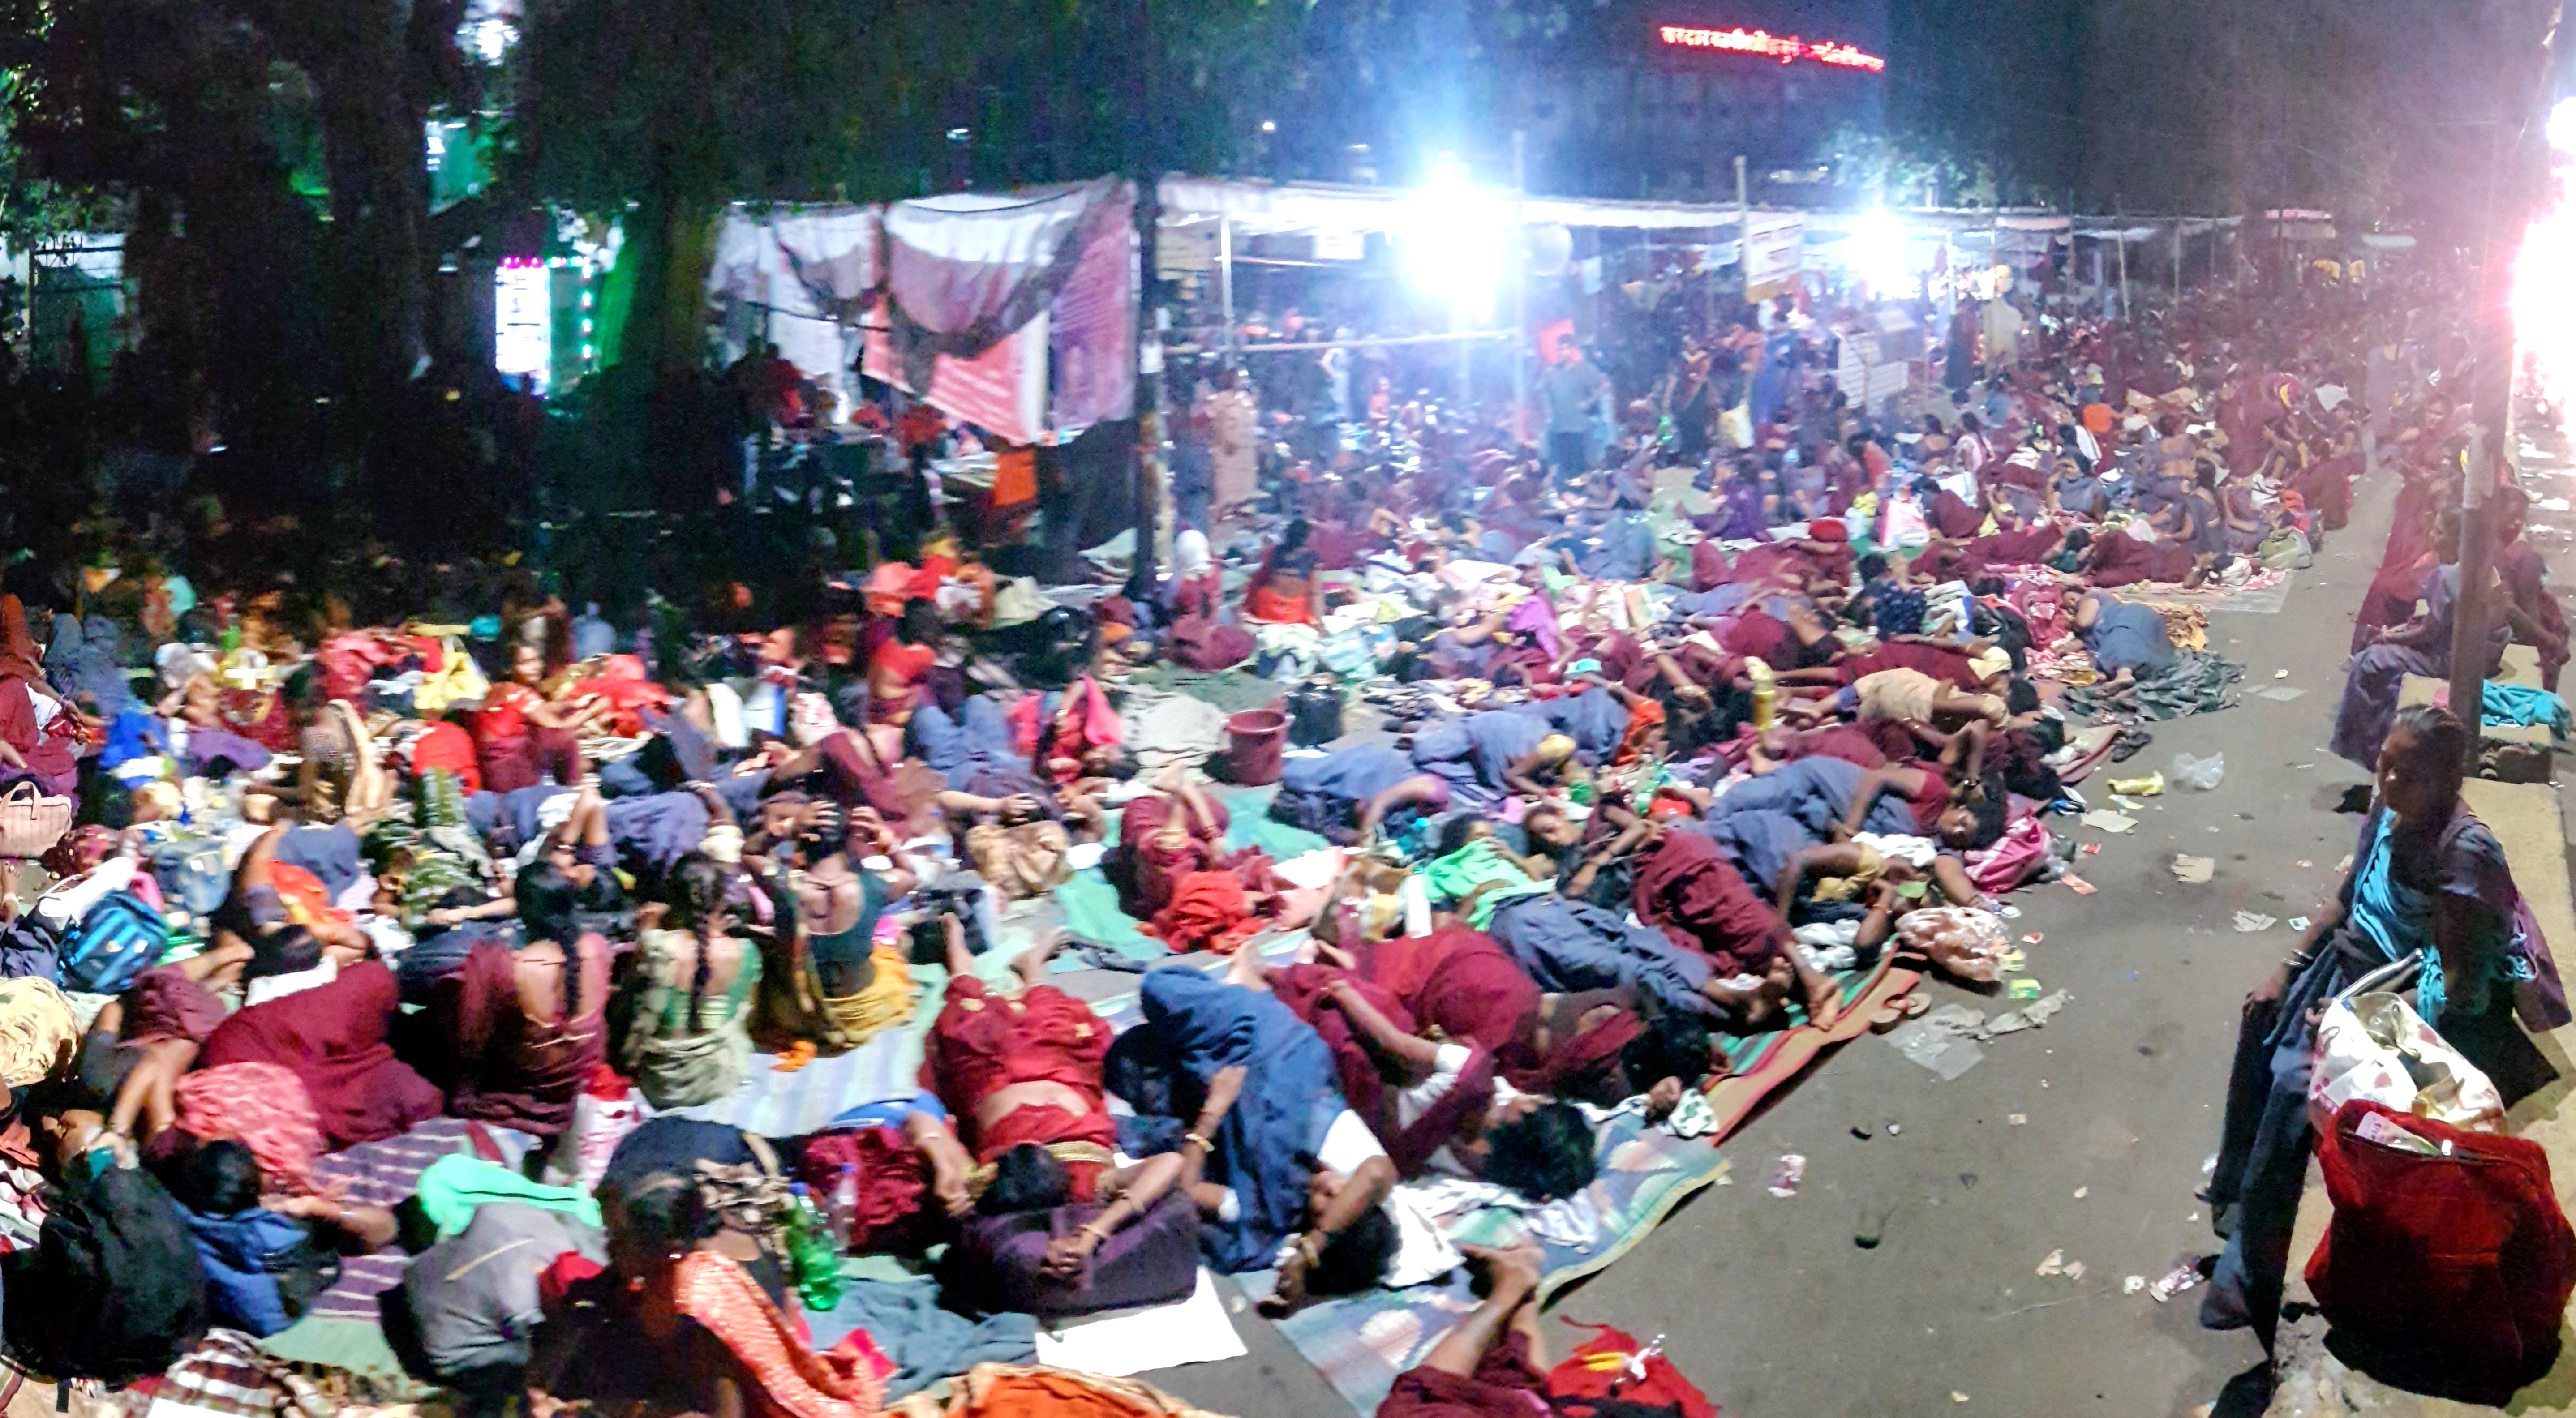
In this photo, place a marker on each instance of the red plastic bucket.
(1255, 740)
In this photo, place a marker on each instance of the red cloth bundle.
(2456, 1268)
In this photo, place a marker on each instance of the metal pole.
(1225, 279)
(1146, 170)
(1743, 229)
(2124, 273)
(1466, 366)
(2177, 260)
(1520, 287)
(1149, 378)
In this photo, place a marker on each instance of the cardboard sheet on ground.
(1124, 1342)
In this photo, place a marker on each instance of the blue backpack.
(117, 940)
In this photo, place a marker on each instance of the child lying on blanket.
(1887, 883)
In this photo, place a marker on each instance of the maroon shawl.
(1685, 887)
(334, 1038)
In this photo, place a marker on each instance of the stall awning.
(1260, 208)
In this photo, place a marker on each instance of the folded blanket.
(2525, 704)
(2197, 683)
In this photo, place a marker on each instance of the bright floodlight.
(2544, 284)
(1453, 241)
(2562, 127)
(1878, 252)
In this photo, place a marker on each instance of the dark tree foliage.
(199, 114)
(665, 110)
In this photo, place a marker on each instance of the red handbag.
(2447, 1254)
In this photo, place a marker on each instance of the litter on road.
(1786, 1173)
(2175, 1281)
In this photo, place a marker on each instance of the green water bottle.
(811, 1254)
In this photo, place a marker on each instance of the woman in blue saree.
(1284, 1172)
(2429, 883)
(1480, 756)
(1345, 795)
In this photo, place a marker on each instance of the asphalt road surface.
(2084, 1139)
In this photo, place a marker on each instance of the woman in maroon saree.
(1493, 1364)
(515, 1033)
(2537, 619)
(46, 750)
(2395, 590)
(333, 1037)
(2119, 559)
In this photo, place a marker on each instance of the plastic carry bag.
(603, 1113)
(2203, 774)
(1962, 940)
(2374, 1046)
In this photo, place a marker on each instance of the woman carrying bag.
(2428, 882)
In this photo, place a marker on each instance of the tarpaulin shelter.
(1015, 312)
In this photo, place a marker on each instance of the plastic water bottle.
(811, 1255)
(843, 1212)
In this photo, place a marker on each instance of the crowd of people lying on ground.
(1650, 777)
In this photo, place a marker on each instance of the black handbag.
(1315, 712)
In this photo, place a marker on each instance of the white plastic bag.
(598, 1125)
(2201, 773)
(2363, 1050)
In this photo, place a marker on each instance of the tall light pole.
(1147, 175)
(1520, 287)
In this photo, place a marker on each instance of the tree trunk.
(373, 146)
(364, 58)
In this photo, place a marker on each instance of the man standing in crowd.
(1572, 390)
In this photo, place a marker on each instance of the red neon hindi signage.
(1785, 48)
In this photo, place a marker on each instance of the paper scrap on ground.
(2078, 885)
(2033, 1015)
(1123, 1342)
(2278, 693)
(2109, 821)
(1943, 1041)
(2249, 922)
(2193, 870)
(2298, 923)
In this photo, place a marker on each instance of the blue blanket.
(1196, 1025)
